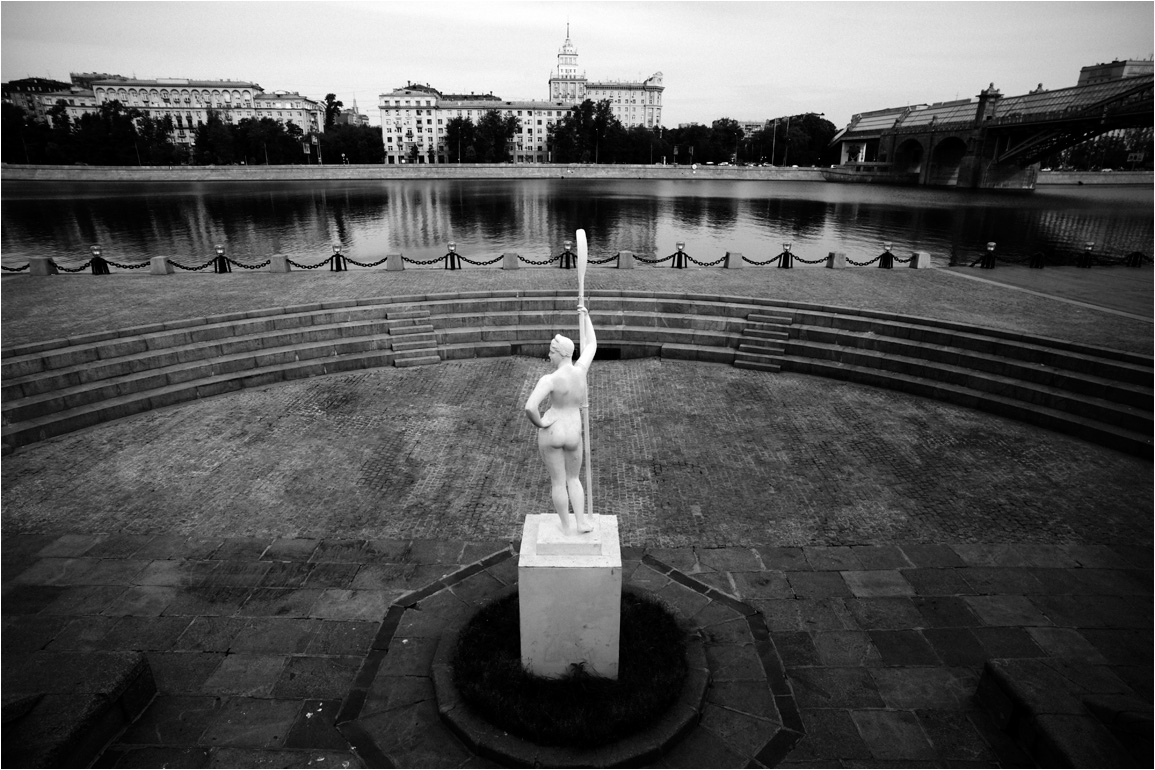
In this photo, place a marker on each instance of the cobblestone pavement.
(250, 545)
(31, 306)
(686, 454)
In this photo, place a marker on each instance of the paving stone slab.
(869, 583)
(183, 673)
(259, 723)
(827, 687)
(246, 674)
(893, 735)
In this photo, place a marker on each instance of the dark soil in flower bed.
(580, 710)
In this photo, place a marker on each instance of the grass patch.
(579, 710)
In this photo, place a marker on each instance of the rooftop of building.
(177, 82)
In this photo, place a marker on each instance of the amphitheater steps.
(1085, 401)
(1129, 441)
(61, 385)
(414, 340)
(763, 342)
(51, 389)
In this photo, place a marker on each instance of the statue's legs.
(555, 463)
(564, 466)
(577, 495)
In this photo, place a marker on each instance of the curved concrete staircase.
(59, 386)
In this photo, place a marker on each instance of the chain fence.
(986, 259)
(1070, 257)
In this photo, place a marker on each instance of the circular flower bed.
(580, 710)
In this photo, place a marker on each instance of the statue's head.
(561, 347)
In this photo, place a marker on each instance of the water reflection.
(534, 217)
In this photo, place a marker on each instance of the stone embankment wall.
(375, 172)
(1095, 177)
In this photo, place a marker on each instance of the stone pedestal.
(509, 261)
(733, 260)
(920, 259)
(279, 263)
(570, 595)
(41, 266)
(836, 259)
(159, 266)
(625, 260)
(394, 262)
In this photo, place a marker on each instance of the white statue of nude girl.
(559, 435)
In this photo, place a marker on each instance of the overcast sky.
(743, 60)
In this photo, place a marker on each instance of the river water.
(183, 221)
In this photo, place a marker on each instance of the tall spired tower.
(566, 83)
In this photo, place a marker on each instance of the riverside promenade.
(286, 558)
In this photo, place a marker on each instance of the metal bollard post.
(787, 260)
(221, 262)
(680, 256)
(99, 265)
(988, 260)
(1086, 257)
(451, 261)
(567, 257)
(338, 264)
(886, 259)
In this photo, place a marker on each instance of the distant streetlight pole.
(786, 152)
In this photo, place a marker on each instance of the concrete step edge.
(126, 384)
(68, 420)
(1132, 442)
(1025, 391)
(375, 325)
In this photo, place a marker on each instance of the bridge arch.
(945, 162)
(908, 157)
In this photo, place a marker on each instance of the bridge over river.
(995, 142)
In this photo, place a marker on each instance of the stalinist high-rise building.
(634, 103)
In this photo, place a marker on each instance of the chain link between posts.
(717, 261)
(486, 262)
(191, 269)
(541, 262)
(655, 261)
(865, 264)
(62, 268)
(767, 262)
(797, 258)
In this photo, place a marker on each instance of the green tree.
(358, 144)
(493, 135)
(108, 137)
(460, 135)
(725, 136)
(692, 143)
(214, 142)
(332, 109)
(589, 133)
(155, 141)
(60, 145)
(24, 138)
